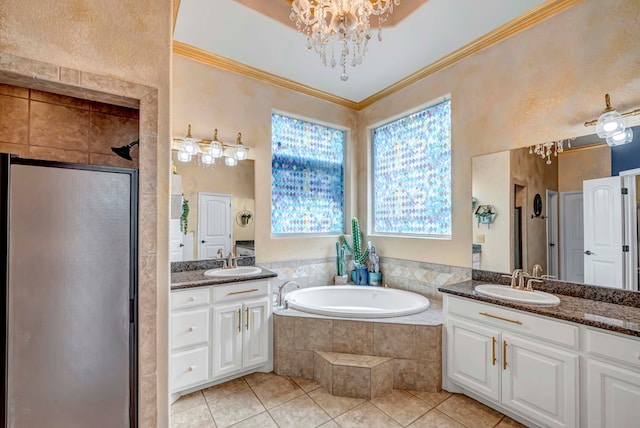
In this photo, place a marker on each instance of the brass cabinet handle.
(231, 293)
(247, 315)
(504, 355)
(500, 318)
(239, 320)
(493, 351)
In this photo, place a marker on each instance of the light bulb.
(609, 123)
(215, 149)
(189, 146)
(207, 159)
(240, 153)
(183, 156)
(229, 161)
(621, 137)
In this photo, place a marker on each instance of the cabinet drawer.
(517, 321)
(190, 298)
(189, 368)
(241, 290)
(190, 328)
(622, 349)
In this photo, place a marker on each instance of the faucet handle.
(530, 282)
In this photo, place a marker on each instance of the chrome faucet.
(281, 288)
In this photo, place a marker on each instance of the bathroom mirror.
(555, 231)
(213, 186)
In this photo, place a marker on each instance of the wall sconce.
(207, 151)
(125, 151)
(611, 125)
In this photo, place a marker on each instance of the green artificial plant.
(359, 256)
(183, 217)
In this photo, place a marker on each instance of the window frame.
(346, 176)
(370, 172)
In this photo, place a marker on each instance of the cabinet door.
(540, 381)
(256, 332)
(613, 396)
(227, 339)
(473, 360)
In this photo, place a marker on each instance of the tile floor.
(264, 400)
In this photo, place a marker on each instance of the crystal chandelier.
(545, 150)
(339, 25)
(205, 152)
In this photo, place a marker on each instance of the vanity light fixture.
(611, 125)
(545, 150)
(205, 152)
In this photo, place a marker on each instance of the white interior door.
(572, 231)
(603, 232)
(552, 233)
(214, 225)
(176, 244)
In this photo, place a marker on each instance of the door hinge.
(625, 191)
(625, 248)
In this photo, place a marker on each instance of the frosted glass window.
(307, 177)
(412, 174)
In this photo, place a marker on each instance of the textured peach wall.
(491, 187)
(583, 165)
(541, 84)
(534, 173)
(209, 98)
(130, 42)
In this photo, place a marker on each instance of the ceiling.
(247, 35)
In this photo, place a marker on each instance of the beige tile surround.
(416, 350)
(28, 73)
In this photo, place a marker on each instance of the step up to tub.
(351, 375)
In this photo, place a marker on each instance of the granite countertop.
(608, 316)
(196, 278)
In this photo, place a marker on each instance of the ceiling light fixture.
(205, 152)
(611, 125)
(342, 25)
(545, 150)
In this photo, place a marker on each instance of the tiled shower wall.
(419, 277)
(42, 125)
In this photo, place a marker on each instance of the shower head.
(124, 151)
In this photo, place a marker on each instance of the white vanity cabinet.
(217, 332)
(524, 363)
(241, 319)
(613, 380)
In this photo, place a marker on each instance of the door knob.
(203, 241)
(588, 253)
(181, 245)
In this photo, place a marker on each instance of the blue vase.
(360, 275)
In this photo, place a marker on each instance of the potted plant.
(341, 265)
(359, 274)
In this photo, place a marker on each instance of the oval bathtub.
(351, 301)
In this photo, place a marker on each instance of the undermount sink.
(503, 292)
(237, 271)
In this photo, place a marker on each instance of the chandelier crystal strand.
(545, 150)
(341, 24)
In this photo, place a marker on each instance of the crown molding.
(531, 18)
(218, 61)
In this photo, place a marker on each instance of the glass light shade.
(215, 149)
(241, 153)
(183, 156)
(207, 159)
(609, 123)
(620, 137)
(229, 161)
(189, 146)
